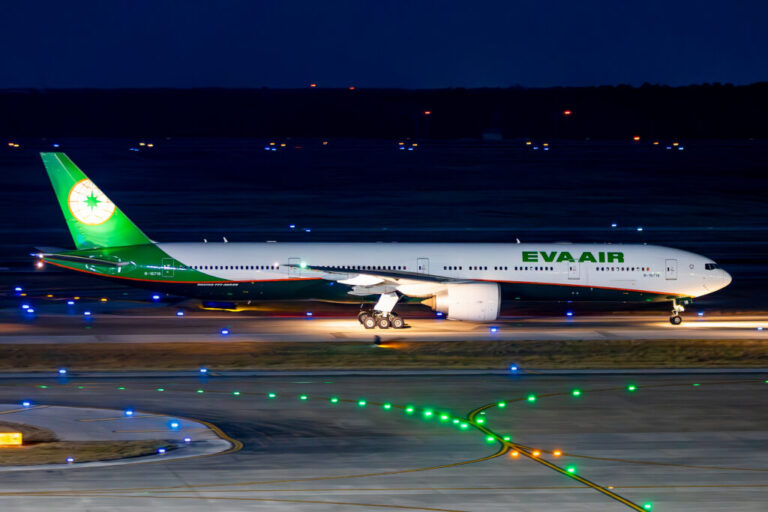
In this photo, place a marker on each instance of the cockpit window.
(711, 266)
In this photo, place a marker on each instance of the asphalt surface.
(667, 442)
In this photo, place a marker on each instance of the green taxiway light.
(271, 395)
(43, 387)
(387, 406)
(571, 469)
(501, 405)
(121, 388)
(531, 398)
(409, 409)
(428, 413)
(161, 389)
(236, 393)
(648, 506)
(507, 438)
(697, 384)
(576, 392)
(456, 421)
(766, 381)
(631, 387)
(480, 420)
(200, 391)
(303, 397)
(444, 417)
(79, 387)
(334, 399)
(489, 439)
(465, 426)
(362, 403)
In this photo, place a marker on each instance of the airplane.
(460, 281)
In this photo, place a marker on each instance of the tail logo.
(88, 204)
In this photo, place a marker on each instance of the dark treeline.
(702, 111)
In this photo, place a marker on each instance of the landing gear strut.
(676, 319)
(381, 314)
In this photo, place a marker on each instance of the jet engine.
(473, 302)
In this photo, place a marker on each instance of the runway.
(582, 443)
(163, 325)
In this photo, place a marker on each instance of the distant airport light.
(325, 143)
(507, 438)
(464, 426)
(103, 299)
(309, 313)
(203, 370)
(501, 405)
(271, 395)
(39, 264)
(155, 297)
(160, 389)
(86, 313)
(161, 451)
(292, 226)
(351, 87)
(200, 391)
(613, 225)
(70, 303)
(313, 85)
(655, 143)
(303, 264)
(307, 230)
(480, 421)
(571, 469)
(536, 453)
(546, 149)
(30, 310)
(636, 138)
(576, 392)
(303, 397)
(494, 329)
(70, 460)
(639, 228)
(569, 313)
(427, 112)
(675, 144)
(55, 144)
(514, 453)
(759, 328)
(224, 332)
(557, 453)
(334, 400)
(489, 439)
(179, 313)
(513, 368)
(528, 143)
(439, 313)
(18, 289)
(567, 113)
(631, 387)
(25, 306)
(700, 313)
(648, 506)
(62, 371)
(428, 413)
(531, 398)
(668, 147)
(175, 425)
(362, 403)
(187, 439)
(26, 403)
(680, 148)
(142, 143)
(128, 412)
(409, 409)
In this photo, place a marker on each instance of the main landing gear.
(381, 314)
(676, 319)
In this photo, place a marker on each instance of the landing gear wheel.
(397, 322)
(362, 316)
(675, 319)
(369, 322)
(383, 322)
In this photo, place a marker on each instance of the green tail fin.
(92, 218)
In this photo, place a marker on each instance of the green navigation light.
(531, 398)
(631, 387)
(576, 392)
(501, 405)
(387, 406)
(303, 397)
(362, 403)
(334, 399)
(409, 409)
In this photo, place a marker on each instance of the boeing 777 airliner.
(463, 281)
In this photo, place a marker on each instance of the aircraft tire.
(369, 322)
(383, 322)
(397, 322)
(675, 319)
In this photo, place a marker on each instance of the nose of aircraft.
(726, 278)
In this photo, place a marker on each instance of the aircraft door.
(422, 265)
(167, 267)
(293, 267)
(574, 270)
(671, 269)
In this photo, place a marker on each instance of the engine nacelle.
(473, 302)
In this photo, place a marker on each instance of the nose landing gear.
(676, 319)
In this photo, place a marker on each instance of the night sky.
(413, 44)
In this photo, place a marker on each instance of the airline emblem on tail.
(88, 204)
